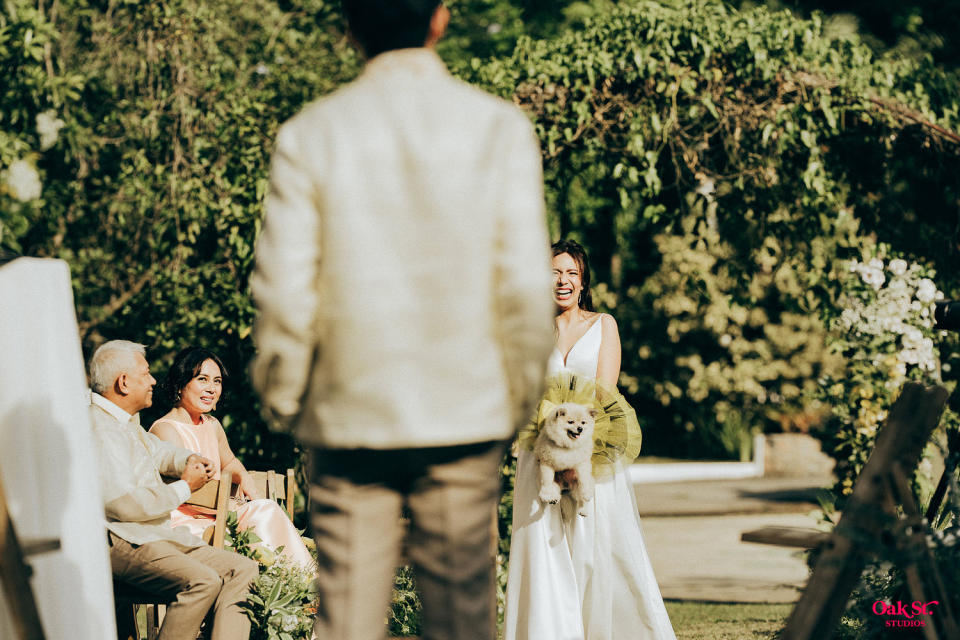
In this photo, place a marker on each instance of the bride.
(573, 577)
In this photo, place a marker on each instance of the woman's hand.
(248, 488)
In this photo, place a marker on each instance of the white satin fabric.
(573, 577)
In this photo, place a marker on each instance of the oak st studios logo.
(900, 614)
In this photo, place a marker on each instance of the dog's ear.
(556, 413)
(594, 413)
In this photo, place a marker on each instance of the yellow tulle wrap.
(616, 435)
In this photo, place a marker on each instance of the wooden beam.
(899, 444)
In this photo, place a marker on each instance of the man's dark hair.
(384, 25)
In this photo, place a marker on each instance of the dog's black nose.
(579, 429)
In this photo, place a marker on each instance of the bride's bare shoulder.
(608, 322)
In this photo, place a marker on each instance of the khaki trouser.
(195, 578)
(356, 501)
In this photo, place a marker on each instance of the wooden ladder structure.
(881, 514)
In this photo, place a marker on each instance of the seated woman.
(191, 389)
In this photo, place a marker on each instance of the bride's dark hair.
(186, 366)
(576, 251)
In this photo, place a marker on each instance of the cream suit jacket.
(402, 273)
(136, 500)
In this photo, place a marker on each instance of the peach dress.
(265, 517)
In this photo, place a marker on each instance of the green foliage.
(713, 161)
(281, 603)
(153, 191)
(716, 164)
(34, 91)
(915, 28)
(282, 600)
(403, 618)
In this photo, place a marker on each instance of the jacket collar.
(115, 412)
(416, 60)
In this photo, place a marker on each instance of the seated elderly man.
(144, 549)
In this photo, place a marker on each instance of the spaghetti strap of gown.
(265, 517)
(580, 577)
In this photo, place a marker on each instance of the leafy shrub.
(282, 600)
(657, 122)
(883, 327)
(403, 618)
(717, 163)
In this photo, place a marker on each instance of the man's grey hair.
(110, 360)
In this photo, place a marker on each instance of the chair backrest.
(213, 495)
(279, 487)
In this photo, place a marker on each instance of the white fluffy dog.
(563, 449)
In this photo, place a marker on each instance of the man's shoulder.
(100, 419)
(324, 107)
(365, 94)
(485, 100)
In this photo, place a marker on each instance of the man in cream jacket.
(403, 285)
(144, 550)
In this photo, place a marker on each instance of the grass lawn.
(711, 621)
(705, 620)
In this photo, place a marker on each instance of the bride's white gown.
(580, 577)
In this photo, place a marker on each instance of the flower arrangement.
(883, 327)
(282, 600)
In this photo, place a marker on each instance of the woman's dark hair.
(384, 25)
(576, 251)
(186, 366)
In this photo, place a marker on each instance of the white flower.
(23, 181)
(48, 126)
(910, 356)
(849, 318)
(876, 263)
(873, 277)
(288, 622)
(705, 186)
(912, 338)
(261, 69)
(926, 291)
(898, 266)
(725, 340)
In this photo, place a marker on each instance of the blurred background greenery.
(719, 160)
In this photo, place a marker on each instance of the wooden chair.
(128, 598)
(279, 487)
(15, 575)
